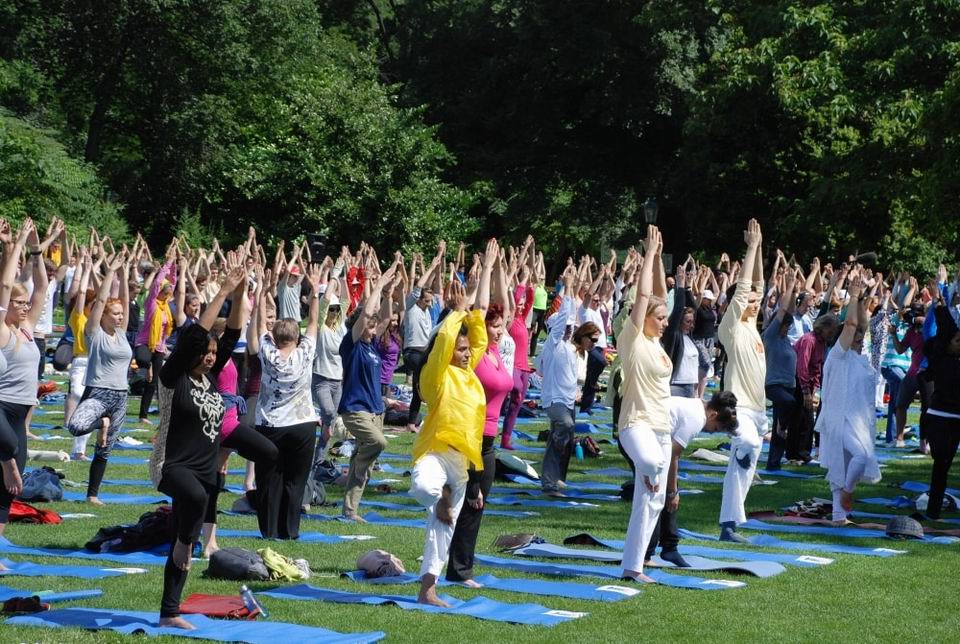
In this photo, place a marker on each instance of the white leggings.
(430, 474)
(650, 452)
(744, 449)
(854, 464)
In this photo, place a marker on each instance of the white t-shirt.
(687, 418)
(689, 371)
(588, 314)
(45, 322)
(508, 351)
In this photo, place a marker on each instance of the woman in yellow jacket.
(451, 436)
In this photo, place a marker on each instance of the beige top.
(646, 380)
(746, 364)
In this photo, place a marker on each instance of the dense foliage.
(403, 121)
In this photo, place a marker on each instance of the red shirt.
(810, 354)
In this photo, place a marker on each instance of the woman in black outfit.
(943, 415)
(185, 452)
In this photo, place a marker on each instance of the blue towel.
(848, 532)
(526, 586)
(125, 499)
(610, 572)
(30, 569)
(134, 558)
(770, 541)
(697, 562)
(218, 630)
(305, 537)
(479, 606)
(48, 596)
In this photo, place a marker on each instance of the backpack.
(315, 493)
(237, 564)
(42, 484)
(155, 528)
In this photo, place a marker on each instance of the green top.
(540, 298)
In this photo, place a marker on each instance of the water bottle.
(579, 451)
(251, 603)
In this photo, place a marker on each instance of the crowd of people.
(253, 355)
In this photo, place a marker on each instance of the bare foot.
(428, 592)
(209, 549)
(443, 510)
(181, 555)
(11, 477)
(411, 428)
(146, 421)
(470, 583)
(355, 517)
(92, 500)
(846, 500)
(176, 622)
(637, 576)
(104, 430)
(32, 436)
(79, 457)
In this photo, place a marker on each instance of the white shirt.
(689, 371)
(588, 314)
(417, 323)
(45, 322)
(558, 360)
(508, 350)
(687, 418)
(327, 363)
(285, 384)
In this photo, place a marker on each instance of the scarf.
(159, 330)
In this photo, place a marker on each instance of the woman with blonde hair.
(644, 415)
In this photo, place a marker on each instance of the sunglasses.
(595, 340)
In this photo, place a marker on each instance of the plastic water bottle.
(579, 451)
(251, 603)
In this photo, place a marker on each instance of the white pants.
(743, 447)
(78, 373)
(430, 474)
(650, 452)
(855, 463)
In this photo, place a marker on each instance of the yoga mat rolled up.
(608, 572)
(479, 607)
(217, 630)
(570, 590)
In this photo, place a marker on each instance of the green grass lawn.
(911, 597)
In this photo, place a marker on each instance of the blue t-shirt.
(361, 377)
(780, 355)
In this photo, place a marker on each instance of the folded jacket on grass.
(31, 569)
(609, 572)
(126, 499)
(218, 630)
(847, 532)
(697, 562)
(49, 596)
(770, 541)
(479, 607)
(135, 558)
(800, 561)
(569, 589)
(305, 537)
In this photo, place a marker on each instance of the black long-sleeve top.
(942, 368)
(672, 339)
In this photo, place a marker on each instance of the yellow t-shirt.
(646, 379)
(78, 320)
(746, 363)
(455, 398)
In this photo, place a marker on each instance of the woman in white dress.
(847, 417)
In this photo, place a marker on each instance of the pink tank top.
(497, 383)
(227, 384)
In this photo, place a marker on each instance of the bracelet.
(671, 495)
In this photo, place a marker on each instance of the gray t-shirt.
(109, 360)
(288, 300)
(780, 355)
(18, 382)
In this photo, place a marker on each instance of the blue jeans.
(894, 376)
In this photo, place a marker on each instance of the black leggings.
(281, 482)
(249, 444)
(155, 360)
(943, 436)
(464, 541)
(191, 505)
(414, 359)
(539, 324)
(13, 445)
(665, 534)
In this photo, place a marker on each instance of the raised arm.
(372, 305)
(645, 279)
(103, 294)
(853, 315)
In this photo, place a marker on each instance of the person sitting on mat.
(644, 418)
(188, 441)
(451, 437)
(745, 376)
(847, 418)
(688, 417)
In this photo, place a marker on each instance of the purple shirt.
(389, 357)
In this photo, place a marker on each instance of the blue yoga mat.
(610, 471)
(609, 572)
(218, 630)
(569, 492)
(539, 503)
(568, 589)
(787, 474)
(134, 558)
(770, 541)
(31, 569)
(130, 482)
(373, 517)
(524, 436)
(479, 607)
(48, 596)
(697, 562)
(128, 460)
(391, 469)
(125, 499)
(529, 449)
(917, 486)
(520, 479)
(305, 537)
(887, 517)
(847, 532)
(898, 502)
(800, 561)
(133, 448)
